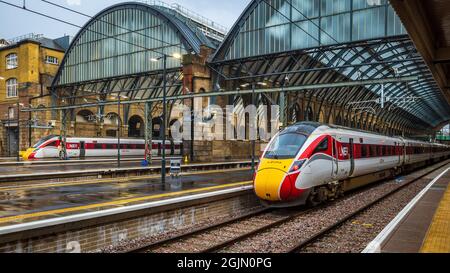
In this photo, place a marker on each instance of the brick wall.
(94, 238)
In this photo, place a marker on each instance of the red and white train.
(312, 163)
(77, 147)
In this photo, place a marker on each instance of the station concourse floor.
(426, 227)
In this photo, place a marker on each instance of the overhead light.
(1, 78)
(177, 55)
(153, 59)
(262, 83)
(245, 85)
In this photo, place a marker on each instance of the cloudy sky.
(16, 22)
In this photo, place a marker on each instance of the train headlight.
(297, 166)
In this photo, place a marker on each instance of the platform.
(423, 226)
(34, 202)
(46, 166)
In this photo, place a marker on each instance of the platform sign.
(175, 167)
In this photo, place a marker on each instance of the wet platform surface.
(426, 226)
(77, 165)
(26, 203)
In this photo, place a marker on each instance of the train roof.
(308, 127)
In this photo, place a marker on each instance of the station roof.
(428, 24)
(351, 48)
(113, 51)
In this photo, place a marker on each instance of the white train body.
(310, 159)
(50, 147)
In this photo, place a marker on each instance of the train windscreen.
(285, 146)
(42, 141)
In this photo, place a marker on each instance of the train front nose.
(29, 154)
(268, 183)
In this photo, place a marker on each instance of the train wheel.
(317, 196)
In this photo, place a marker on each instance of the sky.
(15, 22)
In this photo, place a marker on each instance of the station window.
(11, 88)
(12, 61)
(51, 60)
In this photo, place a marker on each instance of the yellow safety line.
(437, 239)
(102, 181)
(119, 202)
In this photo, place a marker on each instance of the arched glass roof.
(123, 39)
(325, 41)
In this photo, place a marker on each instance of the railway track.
(337, 224)
(218, 237)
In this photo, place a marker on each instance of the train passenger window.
(322, 147)
(363, 151)
(373, 151)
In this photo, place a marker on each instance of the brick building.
(28, 65)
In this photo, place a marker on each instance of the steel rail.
(340, 222)
(148, 247)
(236, 92)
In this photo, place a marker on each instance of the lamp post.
(164, 115)
(253, 141)
(18, 130)
(119, 125)
(8, 132)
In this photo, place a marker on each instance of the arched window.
(11, 88)
(309, 116)
(11, 61)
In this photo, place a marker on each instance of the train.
(311, 163)
(82, 147)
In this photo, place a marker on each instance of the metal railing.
(200, 19)
(32, 36)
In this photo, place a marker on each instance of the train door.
(405, 153)
(335, 167)
(82, 149)
(351, 152)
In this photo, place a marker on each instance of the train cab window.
(285, 146)
(52, 144)
(322, 147)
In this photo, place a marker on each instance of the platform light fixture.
(177, 55)
(164, 116)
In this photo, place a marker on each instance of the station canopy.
(118, 52)
(302, 42)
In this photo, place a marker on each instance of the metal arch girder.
(187, 40)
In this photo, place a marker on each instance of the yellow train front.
(276, 180)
